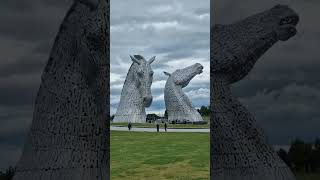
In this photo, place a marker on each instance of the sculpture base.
(133, 118)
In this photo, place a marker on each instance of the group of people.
(157, 126)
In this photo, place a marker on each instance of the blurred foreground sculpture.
(136, 92)
(239, 149)
(178, 105)
(69, 133)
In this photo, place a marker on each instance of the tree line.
(302, 157)
(203, 111)
(8, 174)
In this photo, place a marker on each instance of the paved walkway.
(114, 128)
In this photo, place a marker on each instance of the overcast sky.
(283, 90)
(177, 32)
(26, 34)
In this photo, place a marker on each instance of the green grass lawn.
(142, 155)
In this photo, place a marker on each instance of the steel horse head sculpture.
(69, 131)
(178, 105)
(136, 92)
(239, 149)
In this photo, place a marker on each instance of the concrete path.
(114, 128)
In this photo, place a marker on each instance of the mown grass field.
(159, 156)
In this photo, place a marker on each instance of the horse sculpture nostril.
(147, 101)
(148, 98)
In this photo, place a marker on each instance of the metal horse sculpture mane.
(178, 105)
(136, 92)
(68, 136)
(239, 149)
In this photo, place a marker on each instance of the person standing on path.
(165, 126)
(157, 127)
(129, 126)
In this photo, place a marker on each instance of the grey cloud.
(15, 122)
(288, 113)
(9, 156)
(32, 21)
(19, 90)
(32, 63)
(27, 32)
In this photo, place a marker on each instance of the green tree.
(317, 144)
(300, 154)
(8, 175)
(152, 117)
(308, 157)
(166, 114)
(315, 156)
(284, 156)
(296, 154)
(204, 111)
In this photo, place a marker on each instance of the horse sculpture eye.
(140, 73)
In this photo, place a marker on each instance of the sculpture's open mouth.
(287, 27)
(293, 20)
(200, 69)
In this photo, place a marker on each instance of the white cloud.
(159, 97)
(199, 94)
(159, 84)
(162, 25)
(161, 9)
(115, 77)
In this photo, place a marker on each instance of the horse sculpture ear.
(135, 60)
(166, 73)
(151, 60)
(93, 4)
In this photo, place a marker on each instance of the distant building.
(151, 118)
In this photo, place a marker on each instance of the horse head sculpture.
(239, 149)
(178, 105)
(68, 135)
(136, 92)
